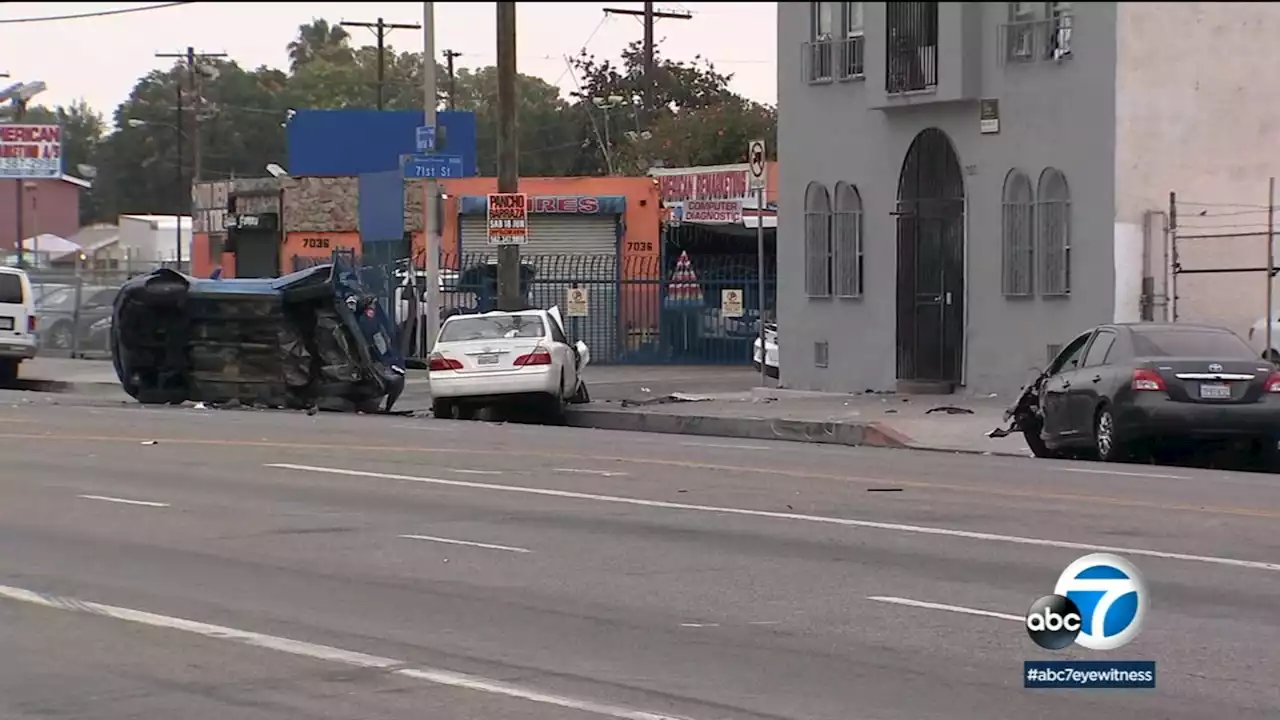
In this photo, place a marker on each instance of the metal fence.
(73, 308)
(622, 308)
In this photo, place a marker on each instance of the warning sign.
(508, 219)
(731, 303)
(576, 302)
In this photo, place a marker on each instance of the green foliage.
(695, 119)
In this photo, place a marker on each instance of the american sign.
(709, 185)
(30, 151)
(508, 218)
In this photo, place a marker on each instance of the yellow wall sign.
(576, 302)
(731, 304)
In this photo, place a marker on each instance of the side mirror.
(584, 355)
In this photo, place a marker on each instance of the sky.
(100, 59)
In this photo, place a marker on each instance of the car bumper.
(525, 381)
(1165, 418)
(15, 349)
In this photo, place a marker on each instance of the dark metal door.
(930, 333)
(257, 254)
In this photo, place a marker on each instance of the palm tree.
(318, 39)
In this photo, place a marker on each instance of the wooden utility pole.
(449, 55)
(651, 18)
(509, 295)
(192, 60)
(380, 30)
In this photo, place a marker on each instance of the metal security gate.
(930, 337)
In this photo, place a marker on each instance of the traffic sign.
(437, 167)
(508, 217)
(426, 139)
(755, 159)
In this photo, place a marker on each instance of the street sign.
(437, 167)
(576, 302)
(755, 158)
(30, 151)
(426, 139)
(731, 304)
(508, 218)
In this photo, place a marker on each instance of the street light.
(20, 94)
(605, 105)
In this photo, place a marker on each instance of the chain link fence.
(73, 308)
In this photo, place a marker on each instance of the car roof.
(1144, 326)
(12, 270)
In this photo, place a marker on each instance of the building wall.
(53, 206)
(1199, 116)
(1051, 115)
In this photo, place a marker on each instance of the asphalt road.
(254, 564)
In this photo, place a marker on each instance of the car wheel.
(442, 409)
(59, 337)
(1106, 441)
(1037, 445)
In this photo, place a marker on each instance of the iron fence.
(73, 309)
(622, 308)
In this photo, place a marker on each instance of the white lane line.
(461, 471)
(122, 501)
(827, 520)
(447, 541)
(327, 653)
(724, 446)
(949, 608)
(604, 473)
(1122, 473)
(699, 625)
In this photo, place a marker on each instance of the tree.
(352, 81)
(82, 131)
(318, 40)
(543, 137)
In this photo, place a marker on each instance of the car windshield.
(64, 298)
(1216, 344)
(10, 288)
(493, 327)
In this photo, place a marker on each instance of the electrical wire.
(590, 37)
(98, 14)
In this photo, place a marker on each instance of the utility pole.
(20, 114)
(449, 55)
(651, 18)
(509, 295)
(192, 60)
(380, 30)
(431, 217)
(1271, 263)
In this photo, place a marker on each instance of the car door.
(563, 352)
(1053, 394)
(1090, 383)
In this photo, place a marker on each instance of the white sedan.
(770, 350)
(501, 357)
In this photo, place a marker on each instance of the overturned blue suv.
(313, 339)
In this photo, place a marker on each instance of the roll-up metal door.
(566, 251)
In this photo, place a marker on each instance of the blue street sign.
(426, 138)
(433, 166)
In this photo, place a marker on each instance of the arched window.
(847, 229)
(1053, 232)
(817, 241)
(1017, 236)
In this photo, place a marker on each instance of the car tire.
(442, 409)
(1107, 444)
(59, 337)
(9, 371)
(1037, 445)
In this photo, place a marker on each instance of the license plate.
(1215, 391)
(487, 360)
(6, 323)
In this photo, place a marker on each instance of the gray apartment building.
(965, 186)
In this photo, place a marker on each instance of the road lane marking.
(699, 625)
(1121, 473)
(725, 446)
(777, 472)
(823, 519)
(328, 653)
(605, 473)
(461, 471)
(447, 541)
(949, 608)
(123, 501)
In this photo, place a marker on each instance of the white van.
(17, 322)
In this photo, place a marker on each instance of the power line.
(380, 30)
(98, 14)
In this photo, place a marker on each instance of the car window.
(11, 288)
(1069, 358)
(493, 327)
(1189, 343)
(1099, 348)
(105, 297)
(63, 299)
(557, 334)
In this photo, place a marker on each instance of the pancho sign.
(30, 151)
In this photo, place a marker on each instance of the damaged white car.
(493, 358)
(770, 350)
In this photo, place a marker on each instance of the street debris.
(950, 410)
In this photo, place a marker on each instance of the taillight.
(440, 362)
(31, 323)
(1273, 382)
(537, 357)
(1147, 379)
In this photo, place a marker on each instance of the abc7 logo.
(1116, 598)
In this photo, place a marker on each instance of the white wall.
(151, 239)
(1198, 113)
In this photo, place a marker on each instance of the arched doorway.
(930, 261)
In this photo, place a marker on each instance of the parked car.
(503, 357)
(770, 350)
(1258, 339)
(63, 325)
(17, 322)
(1117, 391)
